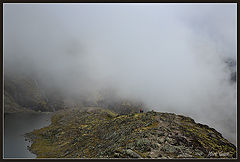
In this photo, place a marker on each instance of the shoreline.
(16, 126)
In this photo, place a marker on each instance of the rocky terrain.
(95, 132)
(23, 93)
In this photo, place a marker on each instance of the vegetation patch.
(94, 132)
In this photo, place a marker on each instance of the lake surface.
(15, 126)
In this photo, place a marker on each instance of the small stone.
(184, 155)
(133, 154)
(170, 148)
(199, 152)
(116, 155)
(161, 140)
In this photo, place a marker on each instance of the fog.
(170, 56)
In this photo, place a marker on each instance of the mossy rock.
(95, 132)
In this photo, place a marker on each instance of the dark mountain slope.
(22, 93)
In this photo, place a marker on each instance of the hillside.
(22, 93)
(25, 93)
(100, 133)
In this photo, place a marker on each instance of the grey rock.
(184, 155)
(161, 140)
(169, 148)
(133, 154)
(199, 152)
(116, 155)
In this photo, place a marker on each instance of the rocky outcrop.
(100, 133)
(22, 93)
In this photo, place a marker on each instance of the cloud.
(171, 56)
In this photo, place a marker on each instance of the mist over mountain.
(177, 58)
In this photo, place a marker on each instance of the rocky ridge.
(95, 132)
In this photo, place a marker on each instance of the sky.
(170, 56)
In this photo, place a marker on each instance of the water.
(15, 126)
